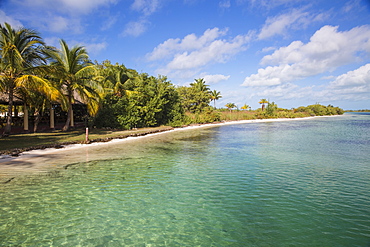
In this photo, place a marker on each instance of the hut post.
(52, 123)
(25, 118)
(72, 120)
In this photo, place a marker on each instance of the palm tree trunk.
(8, 126)
(37, 121)
(69, 114)
(66, 125)
(25, 118)
(52, 118)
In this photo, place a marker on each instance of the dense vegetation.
(46, 78)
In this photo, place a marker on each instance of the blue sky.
(292, 52)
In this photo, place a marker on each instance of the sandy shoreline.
(42, 160)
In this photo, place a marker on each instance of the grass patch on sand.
(24, 142)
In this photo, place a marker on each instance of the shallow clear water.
(290, 183)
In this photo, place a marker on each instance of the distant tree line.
(115, 96)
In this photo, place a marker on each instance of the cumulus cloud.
(213, 79)
(327, 49)
(353, 85)
(189, 43)
(358, 79)
(193, 52)
(279, 25)
(217, 51)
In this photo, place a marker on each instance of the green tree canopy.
(21, 57)
(197, 97)
(75, 75)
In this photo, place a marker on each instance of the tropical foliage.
(195, 98)
(21, 59)
(75, 76)
(116, 97)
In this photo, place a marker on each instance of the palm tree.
(215, 96)
(21, 54)
(75, 76)
(201, 96)
(200, 85)
(245, 107)
(116, 76)
(230, 106)
(263, 102)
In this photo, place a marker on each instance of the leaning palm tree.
(21, 54)
(75, 76)
(215, 96)
(263, 102)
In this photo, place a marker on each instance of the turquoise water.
(289, 183)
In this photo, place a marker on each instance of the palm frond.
(36, 83)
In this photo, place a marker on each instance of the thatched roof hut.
(4, 99)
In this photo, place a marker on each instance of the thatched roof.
(4, 99)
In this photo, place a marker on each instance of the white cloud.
(13, 22)
(270, 76)
(217, 51)
(353, 85)
(136, 28)
(85, 5)
(189, 43)
(327, 50)
(286, 91)
(351, 5)
(58, 24)
(225, 4)
(109, 22)
(57, 15)
(95, 48)
(213, 79)
(147, 7)
(279, 25)
(193, 53)
(329, 77)
(66, 6)
(356, 79)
